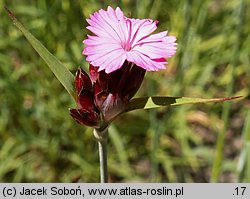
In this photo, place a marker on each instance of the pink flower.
(118, 38)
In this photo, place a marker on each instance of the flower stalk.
(102, 137)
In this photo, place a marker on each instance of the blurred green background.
(40, 142)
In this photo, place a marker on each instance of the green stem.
(101, 137)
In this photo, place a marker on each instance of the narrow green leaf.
(61, 72)
(159, 101)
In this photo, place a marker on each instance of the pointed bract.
(112, 106)
(85, 117)
(82, 81)
(87, 113)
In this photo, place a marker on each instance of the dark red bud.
(85, 100)
(100, 83)
(133, 81)
(117, 79)
(82, 81)
(110, 95)
(85, 117)
(113, 91)
(87, 113)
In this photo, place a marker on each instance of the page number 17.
(239, 191)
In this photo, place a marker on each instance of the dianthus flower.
(118, 38)
(120, 53)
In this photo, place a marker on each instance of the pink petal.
(110, 61)
(154, 37)
(157, 46)
(105, 24)
(100, 49)
(113, 62)
(100, 32)
(119, 14)
(95, 41)
(99, 56)
(120, 23)
(141, 28)
(156, 49)
(144, 61)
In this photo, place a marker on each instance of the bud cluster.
(102, 96)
